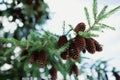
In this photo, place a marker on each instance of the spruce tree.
(44, 50)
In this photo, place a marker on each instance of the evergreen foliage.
(40, 49)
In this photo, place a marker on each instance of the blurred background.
(18, 18)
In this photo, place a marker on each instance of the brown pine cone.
(73, 52)
(65, 54)
(53, 73)
(97, 45)
(33, 57)
(80, 42)
(90, 46)
(75, 70)
(42, 58)
(80, 27)
(62, 40)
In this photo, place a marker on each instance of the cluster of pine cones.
(41, 59)
(36, 56)
(78, 44)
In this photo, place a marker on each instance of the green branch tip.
(109, 13)
(102, 12)
(95, 11)
(87, 16)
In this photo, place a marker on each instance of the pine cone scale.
(42, 58)
(90, 46)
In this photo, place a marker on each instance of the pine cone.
(80, 27)
(62, 40)
(53, 73)
(42, 58)
(97, 45)
(65, 54)
(33, 57)
(80, 42)
(74, 70)
(90, 46)
(73, 52)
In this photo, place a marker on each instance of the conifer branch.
(102, 12)
(103, 26)
(89, 29)
(97, 26)
(88, 34)
(87, 16)
(5, 40)
(63, 27)
(9, 51)
(109, 13)
(95, 9)
(71, 29)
